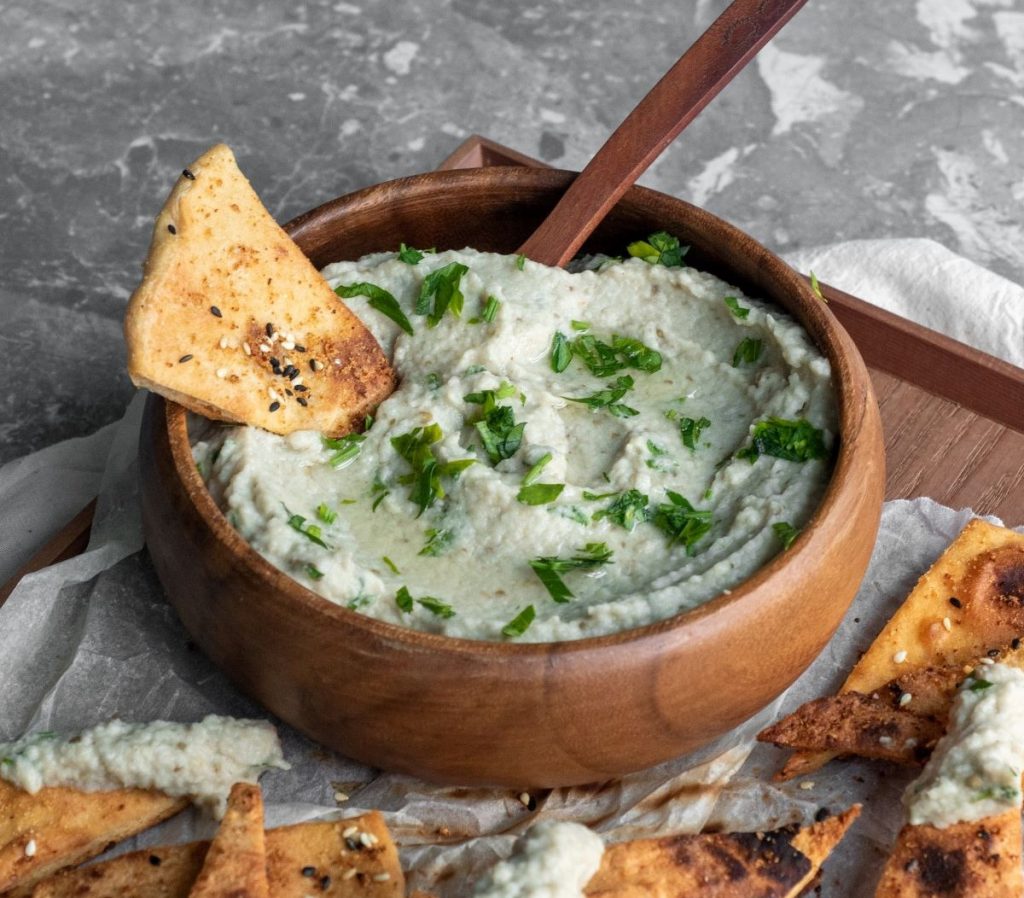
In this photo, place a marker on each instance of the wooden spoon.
(701, 72)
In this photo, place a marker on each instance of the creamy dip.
(495, 497)
(555, 859)
(199, 760)
(975, 770)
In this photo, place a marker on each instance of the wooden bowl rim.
(811, 312)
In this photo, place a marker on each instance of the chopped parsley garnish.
(627, 510)
(360, 601)
(571, 512)
(609, 398)
(313, 572)
(579, 325)
(499, 432)
(681, 522)
(403, 599)
(490, 309)
(597, 497)
(438, 542)
(473, 369)
(561, 352)
(661, 248)
(440, 292)
(549, 568)
(345, 449)
(997, 793)
(734, 306)
(424, 480)
(690, 430)
(409, 255)
(520, 261)
(748, 352)
(379, 299)
(433, 381)
(786, 533)
(436, 606)
(489, 398)
(520, 623)
(379, 491)
(313, 533)
(540, 493)
(538, 466)
(390, 564)
(979, 685)
(325, 513)
(816, 287)
(796, 440)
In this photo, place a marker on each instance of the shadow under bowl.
(522, 715)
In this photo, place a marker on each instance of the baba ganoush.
(198, 760)
(975, 769)
(568, 453)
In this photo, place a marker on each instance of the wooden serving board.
(953, 416)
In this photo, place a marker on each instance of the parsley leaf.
(660, 248)
(538, 466)
(605, 359)
(561, 352)
(313, 533)
(490, 309)
(681, 522)
(345, 449)
(979, 685)
(500, 433)
(690, 430)
(748, 352)
(403, 599)
(326, 514)
(816, 287)
(390, 564)
(549, 568)
(796, 440)
(409, 255)
(540, 493)
(520, 623)
(379, 299)
(734, 306)
(786, 533)
(609, 398)
(313, 572)
(440, 292)
(425, 478)
(436, 606)
(520, 262)
(438, 542)
(627, 510)
(579, 325)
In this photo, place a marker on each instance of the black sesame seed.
(186, 173)
(309, 871)
(172, 229)
(301, 388)
(312, 364)
(301, 402)
(955, 602)
(215, 312)
(325, 883)
(291, 372)
(289, 392)
(274, 406)
(299, 347)
(185, 358)
(154, 860)
(353, 844)
(821, 814)
(269, 329)
(274, 363)
(993, 653)
(1015, 643)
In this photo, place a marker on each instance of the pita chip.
(232, 321)
(236, 864)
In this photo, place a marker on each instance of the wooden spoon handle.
(701, 72)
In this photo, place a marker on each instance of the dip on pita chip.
(970, 602)
(232, 321)
(236, 864)
(777, 864)
(58, 827)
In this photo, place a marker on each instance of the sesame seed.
(288, 344)
(910, 743)
(899, 657)
(224, 342)
(885, 741)
(366, 839)
(247, 348)
(288, 363)
(338, 796)
(309, 871)
(264, 347)
(955, 602)
(315, 365)
(337, 361)
(187, 174)
(807, 784)
(185, 358)
(905, 699)
(985, 661)
(274, 406)
(947, 623)
(304, 404)
(381, 877)
(299, 386)
(349, 832)
(1015, 643)
(299, 347)
(524, 799)
(172, 229)
(993, 653)
(269, 329)
(30, 848)
(216, 312)
(350, 873)
(222, 373)
(325, 882)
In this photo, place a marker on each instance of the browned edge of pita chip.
(776, 864)
(58, 827)
(232, 321)
(236, 864)
(975, 859)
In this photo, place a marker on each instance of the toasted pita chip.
(232, 321)
(855, 724)
(775, 864)
(305, 859)
(236, 864)
(976, 859)
(58, 827)
(977, 585)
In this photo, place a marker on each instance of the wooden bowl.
(526, 715)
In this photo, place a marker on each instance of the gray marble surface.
(859, 120)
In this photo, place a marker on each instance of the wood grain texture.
(496, 713)
(694, 81)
